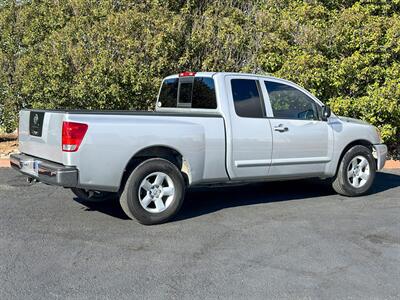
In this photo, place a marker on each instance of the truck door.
(249, 135)
(302, 141)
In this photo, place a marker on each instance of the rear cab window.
(169, 93)
(188, 92)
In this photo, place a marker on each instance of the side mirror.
(326, 112)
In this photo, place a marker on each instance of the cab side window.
(289, 103)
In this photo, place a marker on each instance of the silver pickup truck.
(208, 128)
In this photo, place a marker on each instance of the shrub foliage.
(112, 54)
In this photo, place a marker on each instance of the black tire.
(341, 183)
(130, 202)
(93, 196)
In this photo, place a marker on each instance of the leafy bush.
(113, 54)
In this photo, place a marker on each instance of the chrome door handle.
(281, 128)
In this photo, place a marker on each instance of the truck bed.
(114, 137)
(129, 112)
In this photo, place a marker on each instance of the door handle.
(281, 128)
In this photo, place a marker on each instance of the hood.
(352, 120)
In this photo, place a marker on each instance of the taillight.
(72, 135)
(185, 74)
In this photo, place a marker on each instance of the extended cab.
(207, 128)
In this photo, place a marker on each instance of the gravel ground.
(285, 240)
(8, 147)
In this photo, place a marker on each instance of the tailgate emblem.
(36, 119)
(36, 123)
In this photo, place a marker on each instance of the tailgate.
(40, 134)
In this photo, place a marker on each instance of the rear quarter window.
(246, 98)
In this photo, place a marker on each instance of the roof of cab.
(198, 74)
(212, 74)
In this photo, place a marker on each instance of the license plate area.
(30, 167)
(36, 123)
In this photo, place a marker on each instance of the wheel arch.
(361, 142)
(157, 151)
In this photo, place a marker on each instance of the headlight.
(379, 135)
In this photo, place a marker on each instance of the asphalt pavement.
(285, 240)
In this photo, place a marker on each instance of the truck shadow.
(205, 201)
(200, 201)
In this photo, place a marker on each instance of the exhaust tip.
(31, 180)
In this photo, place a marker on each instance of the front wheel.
(154, 192)
(356, 172)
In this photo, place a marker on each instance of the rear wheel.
(356, 172)
(154, 192)
(93, 196)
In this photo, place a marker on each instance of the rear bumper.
(45, 171)
(380, 153)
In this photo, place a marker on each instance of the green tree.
(112, 54)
